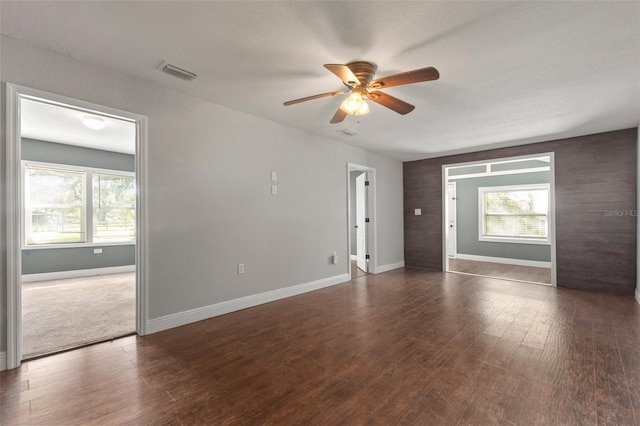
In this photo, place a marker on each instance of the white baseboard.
(638, 295)
(354, 257)
(3, 361)
(389, 267)
(504, 260)
(31, 278)
(198, 314)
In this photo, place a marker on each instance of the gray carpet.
(62, 314)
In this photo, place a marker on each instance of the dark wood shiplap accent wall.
(593, 174)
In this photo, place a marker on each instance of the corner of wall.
(389, 267)
(638, 217)
(3, 361)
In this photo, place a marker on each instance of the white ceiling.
(511, 72)
(60, 124)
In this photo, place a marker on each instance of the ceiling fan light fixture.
(355, 104)
(93, 122)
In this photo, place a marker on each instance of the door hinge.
(366, 220)
(366, 183)
(366, 257)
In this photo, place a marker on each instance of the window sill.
(514, 241)
(79, 245)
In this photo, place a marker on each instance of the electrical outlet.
(274, 189)
(240, 268)
(97, 251)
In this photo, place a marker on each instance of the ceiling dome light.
(93, 122)
(355, 104)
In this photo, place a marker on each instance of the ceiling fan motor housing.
(363, 70)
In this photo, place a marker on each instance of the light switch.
(274, 176)
(417, 212)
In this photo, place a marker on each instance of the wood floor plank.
(402, 347)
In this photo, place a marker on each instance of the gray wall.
(209, 201)
(75, 258)
(58, 153)
(39, 260)
(467, 219)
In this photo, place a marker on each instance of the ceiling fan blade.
(308, 98)
(338, 117)
(415, 76)
(344, 73)
(399, 106)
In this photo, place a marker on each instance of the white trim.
(14, 207)
(353, 257)
(3, 361)
(389, 267)
(142, 220)
(508, 240)
(79, 245)
(504, 260)
(73, 167)
(501, 173)
(198, 314)
(500, 278)
(552, 219)
(14, 253)
(552, 209)
(47, 276)
(637, 292)
(445, 217)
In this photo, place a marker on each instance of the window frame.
(88, 205)
(515, 240)
(94, 209)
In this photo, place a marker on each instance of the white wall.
(210, 206)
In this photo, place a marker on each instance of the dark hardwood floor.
(500, 270)
(402, 347)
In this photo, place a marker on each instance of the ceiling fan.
(358, 78)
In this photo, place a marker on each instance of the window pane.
(533, 226)
(518, 213)
(114, 201)
(514, 202)
(54, 202)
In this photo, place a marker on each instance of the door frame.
(448, 235)
(552, 205)
(372, 241)
(15, 209)
(361, 216)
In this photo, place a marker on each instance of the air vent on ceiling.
(348, 132)
(177, 71)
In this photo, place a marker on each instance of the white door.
(451, 220)
(361, 224)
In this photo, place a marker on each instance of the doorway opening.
(361, 238)
(499, 218)
(75, 231)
